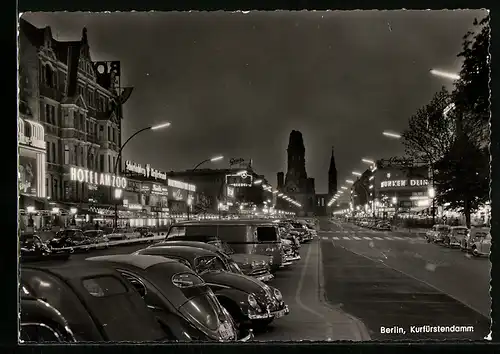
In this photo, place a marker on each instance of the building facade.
(78, 104)
(390, 188)
(296, 184)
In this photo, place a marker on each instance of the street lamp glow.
(392, 135)
(55, 210)
(280, 194)
(349, 181)
(257, 181)
(343, 187)
(73, 210)
(356, 173)
(371, 162)
(445, 74)
(239, 173)
(394, 200)
(216, 158)
(30, 209)
(159, 126)
(432, 192)
(274, 192)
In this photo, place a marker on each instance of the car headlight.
(254, 264)
(277, 294)
(253, 302)
(270, 260)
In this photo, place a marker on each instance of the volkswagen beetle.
(82, 302)
(183, 304)
(250, 302)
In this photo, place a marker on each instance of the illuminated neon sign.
(102, 179)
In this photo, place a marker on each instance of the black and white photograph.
(254, 176)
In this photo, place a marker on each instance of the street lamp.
(212, 159)
(355, 173)
(115, 167)
(371, 162)
(392, 135)
(349, 181)
(445, 74)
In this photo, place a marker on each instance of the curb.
(362, 332)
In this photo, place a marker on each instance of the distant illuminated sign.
(239, 180)
(157, 189)
(182, 185)
(404, 183)
(101, 179)
(230, 192)
(147, 171)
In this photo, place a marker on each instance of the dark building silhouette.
(297, 185)
(332, 176)
(281, 179)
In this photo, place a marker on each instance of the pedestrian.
(97, 225)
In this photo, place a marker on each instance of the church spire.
(332, 175)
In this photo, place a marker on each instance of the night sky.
(237, 84)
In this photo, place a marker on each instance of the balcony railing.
(50, 129)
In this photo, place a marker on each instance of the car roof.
(137, 260)
(459, 227)
(227, 222)
(183, 251)
(70, 270)
(195, 244)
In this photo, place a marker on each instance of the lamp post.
(432, 194)
(115, 167)
(212, 159)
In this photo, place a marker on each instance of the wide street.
(352, 281)
(395, 279)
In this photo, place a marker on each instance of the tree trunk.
(467, 213)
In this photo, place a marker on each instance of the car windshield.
(296, 225)
(209, 263)
(93, 234)
(443, 229)
(461, 231)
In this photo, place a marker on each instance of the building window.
(66, 154)
(77, 120)
(82, 160)
(109, 164)
(47, 191)
(49, 78)
(91, 161)
(54, 192)
(113, 135)
(114, 162)
(76, 156)
(101, 158)
(109, 133)
(82, 121)
(65, 194)
(54, 155)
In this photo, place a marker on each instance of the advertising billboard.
(27, 175)
(178, 194)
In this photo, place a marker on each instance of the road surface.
(310, 318)
(397, 281)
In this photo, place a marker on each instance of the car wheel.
(235, 312)
(475, 253)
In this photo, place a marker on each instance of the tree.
(472, 92)
(462, 177)
(430, 133)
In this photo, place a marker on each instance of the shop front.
(406, 192)
(33, 208)
(154, 196)
(91, 196)
(180, 198)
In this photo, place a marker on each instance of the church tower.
(332, 176)
(296, 173)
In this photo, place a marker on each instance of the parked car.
(97, 237)
(291, 253)
(437, 233)
(477, 238)
(236, 263)
(144, 232)
(70, 238)
(285, 233)
(32, 248)
(251, 264)
(455, 236)
(95, 303)
(249, 301)
(39, 322)
(244, 236)
(181, 301)
(383, 225)
(301, 231)
(122, 234)
(481, 245)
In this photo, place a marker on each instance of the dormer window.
(49, 76)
